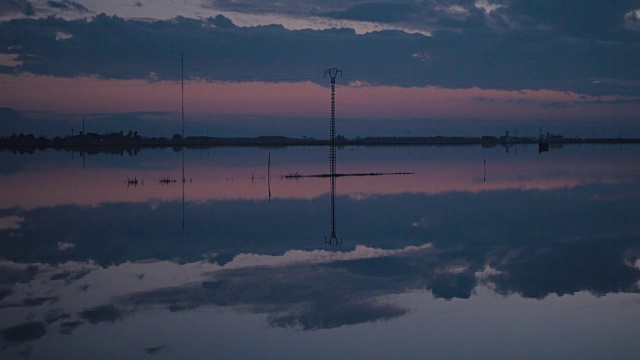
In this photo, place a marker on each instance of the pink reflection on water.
(239, 176)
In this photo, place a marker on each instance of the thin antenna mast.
(269, 175)
(182, 88)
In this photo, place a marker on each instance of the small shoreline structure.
(167, 181)
(133, 181)
(544, 141)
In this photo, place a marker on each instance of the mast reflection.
(333, 240)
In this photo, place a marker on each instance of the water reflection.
(333, 240)
(559, 224)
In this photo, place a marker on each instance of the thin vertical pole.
(269, 175)
(182, 88)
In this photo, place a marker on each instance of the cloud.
(12, 222)
(566, 268)
(67, 5)
(24, 7)
(310, 317)
(298, 299)
(62, 36)
(585, 19)
(103, 313)
(572, 18)
(62, 246)
(153, 350)
(287, 7)
(217, 50)
(384, 12)
(488, 7)
(221, 21)
(632, 19)
(25, 332)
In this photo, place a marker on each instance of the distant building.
(554, 137)
(506, 138)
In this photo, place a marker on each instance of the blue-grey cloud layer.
(67, 5)
(23, 7)
(112, 47)
(570, 17)
(586, 47)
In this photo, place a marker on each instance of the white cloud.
(62, 246)
(454, 269)
(423, 56)
(453, 10)
(63, 36)
(632, 19)
(11, 222)
(422, 223)
(318, 256)
(486, 273)
(486, 6)
(359, 196)
(9, 60)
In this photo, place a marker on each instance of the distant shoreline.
(95, 142)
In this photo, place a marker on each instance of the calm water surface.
(483, 253)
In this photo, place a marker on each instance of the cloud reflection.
(268, 258)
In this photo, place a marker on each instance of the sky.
(413, 67)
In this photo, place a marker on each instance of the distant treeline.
(132, 141)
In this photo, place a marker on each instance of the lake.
(459, 252)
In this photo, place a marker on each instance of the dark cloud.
(25, 332)
(102, 313)
(221, 22)
(566, 268)
(54, 315)
(335, 314)
(32, 302)
(8, 7)
(67, 327)
(299, 299)
(288, 7)
(153, 350)
(11, 275)
(215, 49)
(586, 19)
(69, 277)
(37, 301)
(384, 12)
(68, 5)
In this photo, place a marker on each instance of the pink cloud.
(306, 99)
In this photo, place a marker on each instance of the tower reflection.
(333, 239)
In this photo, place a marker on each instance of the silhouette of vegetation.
(132, 142)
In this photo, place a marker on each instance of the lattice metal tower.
(333, 73)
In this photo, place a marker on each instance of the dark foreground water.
(481, 253)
